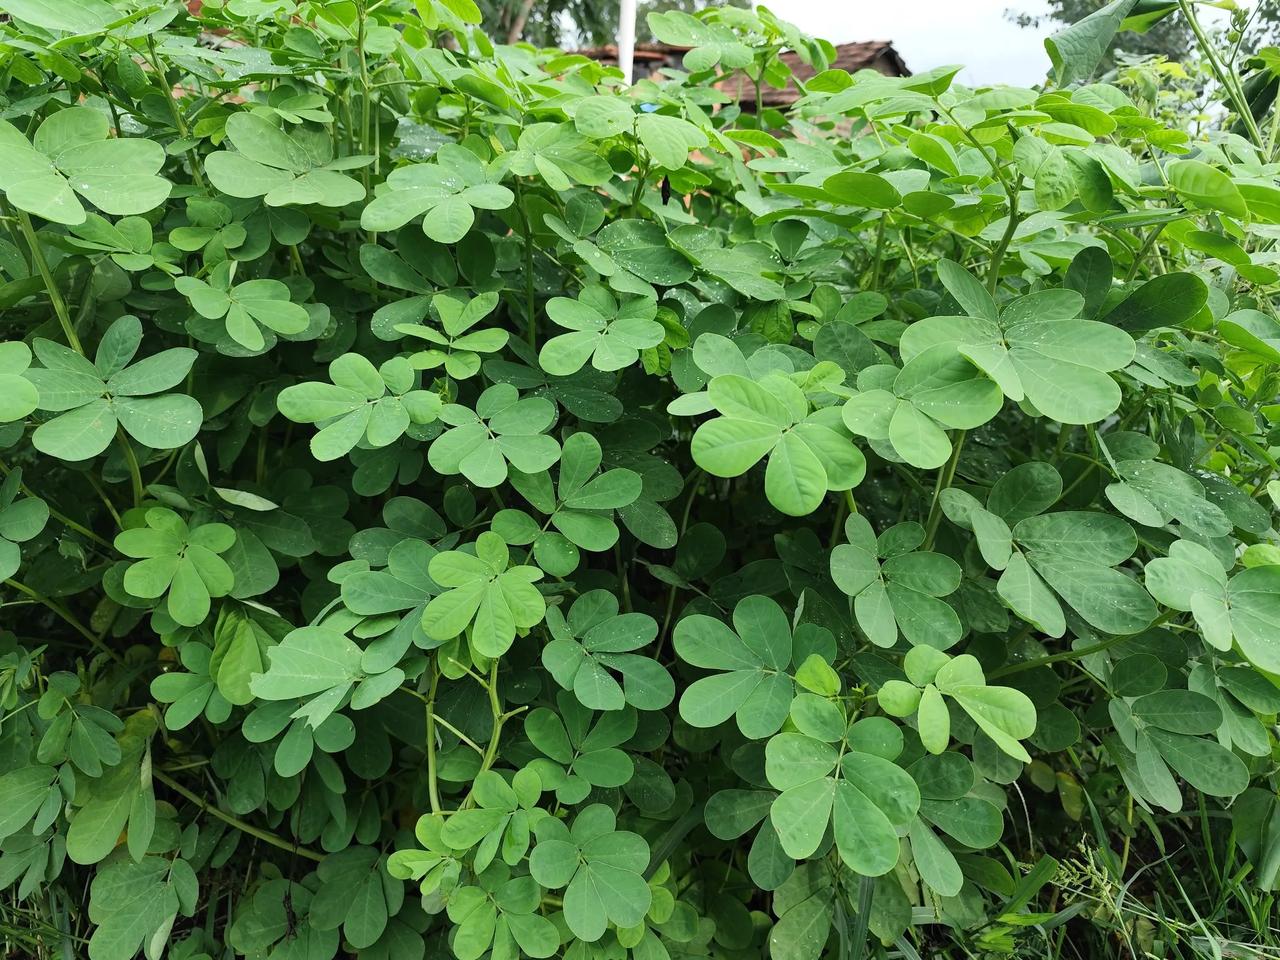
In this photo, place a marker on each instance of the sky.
(931, 33)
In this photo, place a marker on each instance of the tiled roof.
(874, 54)
(608, 53)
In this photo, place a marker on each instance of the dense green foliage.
(457, 505)
(1154, 33)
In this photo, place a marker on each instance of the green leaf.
(1169, 300)
(18, 395)
(80, 17)
(79, 435)
(601, 868)
(1004, 714)
(73, 155)
(97, 826)
(308, 661)
(862, 190)
(751, 685)
(1178, 711)
(600, 117)
(1206, 765)
(1077, 50)
(487, 596)
(131, 902)
(1206, 186)
(1254, 600)
(668, 139)
(641, 247)
(22, 792)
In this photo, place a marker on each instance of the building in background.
(876, 55)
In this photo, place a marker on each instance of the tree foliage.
(456, 503)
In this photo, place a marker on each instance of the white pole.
(626, 37)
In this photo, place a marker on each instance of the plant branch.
(67, 617)
(233, 821)
(55, 295)
(1225, 76)
(945, 476)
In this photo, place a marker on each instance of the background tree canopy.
(1171, 37)
(577, 23)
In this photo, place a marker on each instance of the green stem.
(838, 524)
(66, 616)
(1010, 190)
(695, 484)
(1229, 82)
(457, 733)
(1147, 244)
(997, 258)
(495, 708)
(638, 190)
(135, 470)
(102, 495)
(433, 786)
(879, 254)
(528, 268)
(1071, 487)
(1260, 485)
(1078, 654)
(263, 835)
(364, 86)
(1063, 435)
(55, 296)
(945, 476)
(178, 120)
(57, 515)
(499, 720)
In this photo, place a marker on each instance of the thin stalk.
(1227, 78)
(638, 190)
(436, 718)
(135, 470)
(528, 268)
(879, 254)
(997, 258)
(69, 331)
(1150, 240)
(178, 120)
(55, 295)
(66, 616)
(945, 476)
(433, 786)
(694, 486)
(1010, 190)
(248, 828)
(499, 720)
(1080, 654)
(495, 708)
(364, 87)
(1272, 135)
(57, 515)
(1063, 435)
(838, 524)
(102, 495)
(1066, 655)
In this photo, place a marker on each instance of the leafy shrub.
(649, 529)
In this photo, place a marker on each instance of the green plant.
(453, 499)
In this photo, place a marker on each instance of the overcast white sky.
(930, 33)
